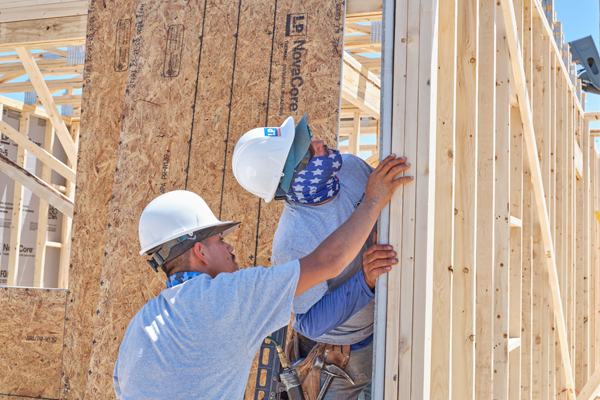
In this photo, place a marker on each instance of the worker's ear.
(197, 252)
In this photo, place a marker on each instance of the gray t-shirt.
(197, 339)
(303, 227)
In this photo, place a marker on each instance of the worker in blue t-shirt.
(335, 317)
(198, 337)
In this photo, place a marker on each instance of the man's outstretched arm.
(337, 307)
(331, 257)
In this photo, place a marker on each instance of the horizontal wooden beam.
(36, 185)
(15, 57)
(65, 100)
(513, 343)
(362, 147)
(515, 222)
(357, 7)
(37, 151)
(57, 32)
(34, 111)
(42, 11)
(46, 66)
(352, 18)
(518, 72)
(594, 132)
(362, 42)
(592, 116)
(360, 87)
(356, 28)
(372, 64)
(53, 85)
(373, 159)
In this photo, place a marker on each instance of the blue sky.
(580, 18)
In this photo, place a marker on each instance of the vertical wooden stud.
(17, 210)
(465, 219)
(501, 215)
(42, 230)
(443, 266)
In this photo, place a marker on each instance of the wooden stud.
(516, 240)
(17, 208)
(45, 97)
(486, 152)
(42, 230)
(501, 231)
(559, 233)
(443, 267)
(585, 250)
(538, 263)
(355, 138)
(465, 218)
(538, 190)
(527, 258)
(67, 224)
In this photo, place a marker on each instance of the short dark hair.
(176, 263)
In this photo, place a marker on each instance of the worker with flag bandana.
(321, 188)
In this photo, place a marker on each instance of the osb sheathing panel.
(198, 79)
(32, 326)
(107, 56)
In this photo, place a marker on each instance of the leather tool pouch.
(309, 375)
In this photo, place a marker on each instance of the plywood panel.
(31, 341)
(107, 57)
(179, 129)
(320, 94)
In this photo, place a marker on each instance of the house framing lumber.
(497, 290)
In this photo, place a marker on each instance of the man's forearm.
(335, 308)
(331, 257)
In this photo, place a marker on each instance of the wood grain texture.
(486, 153)
(441, 339)
(516, 243)
(180, 125)
(107, 47)
(500, 374)
(152, 159)
(319, 96)
(31, 341)
(465, 218)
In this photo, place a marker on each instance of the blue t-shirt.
(197, 340)
(301, 229)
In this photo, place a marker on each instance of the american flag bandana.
(317, 182)
(180, 277)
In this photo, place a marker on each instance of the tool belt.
(308, 374)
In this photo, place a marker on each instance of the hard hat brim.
(300, 145)
(225, 228)
(287, 130)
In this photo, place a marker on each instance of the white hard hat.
(173, 218)
(260, 158)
